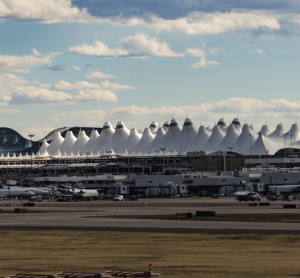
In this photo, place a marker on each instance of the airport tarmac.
(102, 215)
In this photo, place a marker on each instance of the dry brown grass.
(172, 255)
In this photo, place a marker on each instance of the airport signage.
(188, 181)
(110, 181)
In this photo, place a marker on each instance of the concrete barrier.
(289, 206)
(205, 213)
(264, 204)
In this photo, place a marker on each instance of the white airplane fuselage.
(16, 192)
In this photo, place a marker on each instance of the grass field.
(172, 255)
(288, 218)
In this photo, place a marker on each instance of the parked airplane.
(284, 189)
(15, 192)
(85, 194)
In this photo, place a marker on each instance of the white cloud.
(36, 53)
(137, 46)
(98, 95)
(204, 64)
(259, 51)
(100, 75)
(44, 11)
(247, 108)
(76, 68)
(31, 94)
(47, 86)
(195, 52)
(84, 85)
(22, 63)
(10, 111)
(200, 23)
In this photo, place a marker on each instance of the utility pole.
(86, 163)
(163, 150)
(250, 144)
(31, 135)
(284, 134)
(291, 153)
(267, 152)
(230, 148)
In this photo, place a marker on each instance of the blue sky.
(80, 63)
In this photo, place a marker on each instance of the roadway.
(104, 215)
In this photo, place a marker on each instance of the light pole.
(230, 148)
(284, 134)
(291, 153)
(86, 162)
(250, 144)
(31, 136)
(163, 150)
(267, 152)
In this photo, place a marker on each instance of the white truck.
(119, 198)
(247, 196)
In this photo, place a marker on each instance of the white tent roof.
(80, 142)
(153, 127)
(200, 140)
(57, 154)
(277, 133)
(132, 140)
(229, 139)
(171, 135)
(155, 144)
(185, 138)
(117, 141)
(214, 140)
(264, 144)
(237, 124)
(89, 145)
(166, 126)
(221, 123)
(42, 154)
(44, 146)
(55, 143)
(145, 141)
(106, 133)
(294, 132)
(242, 144)
(76, 155)
(67, 145)
(265, 130)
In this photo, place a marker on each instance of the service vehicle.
(119, 198)
(247, 196)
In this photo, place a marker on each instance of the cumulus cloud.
(98, 95)
(10, 111)
(259, 51)
(200, 23)
(247, 108)
(84, 85)
(137, 46)
(36, 53)
(190, 17)
(44, 11)
(76, 68)
(31, 94)
(58, 67)
(204, 64)
(22, 63)
(100, 75)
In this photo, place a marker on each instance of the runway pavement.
(89, 215)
